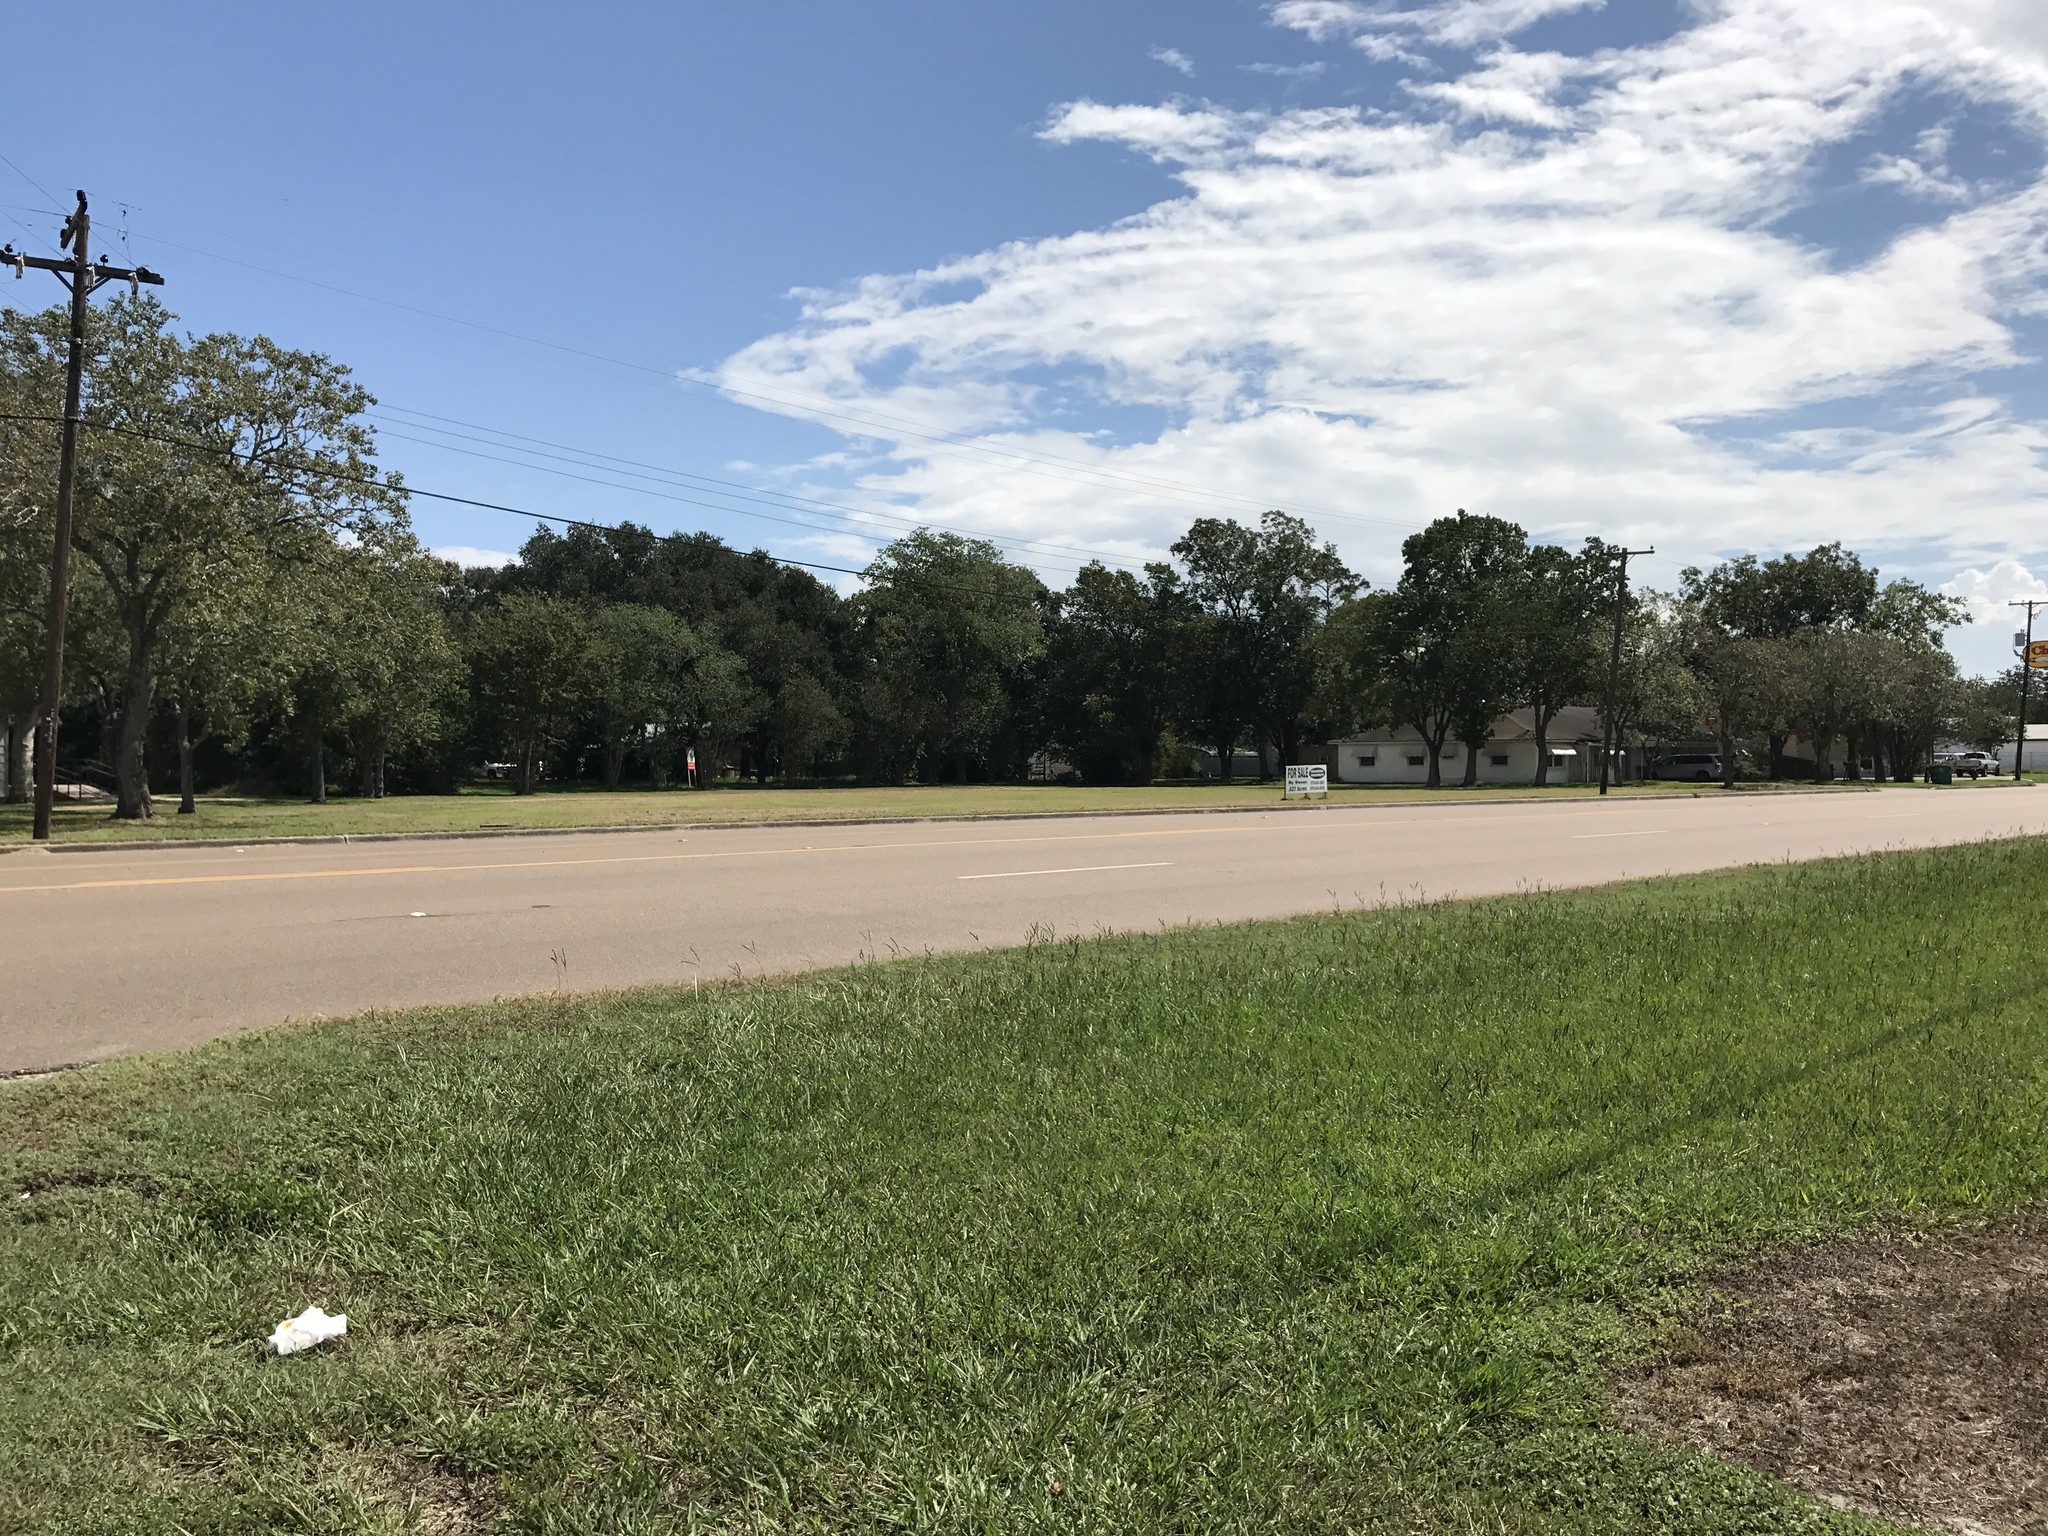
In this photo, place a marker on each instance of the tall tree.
(1657, 693)
(1444, 644)
(401, 667)
(1353, 692)
(1109, 670)
(710, 705)
(223, 654)
(1832, 676)
(28, 454)
(808, 726)
(1267, 593)
(1919, 699)
(1553, 599)
(1828, 587)
(210, 454)
(654, 651)
(535, 663)
(947, 624)
(787, 627)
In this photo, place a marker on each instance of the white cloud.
(1924, 173)
(467, 556)
(1306, 71)
(1173, 58)
(1545, 287)
(1985, 643)
(1989, 592)
(1370, 24)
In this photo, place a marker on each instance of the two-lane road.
(125, 951)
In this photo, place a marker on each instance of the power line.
(370, 481)
(731, 488)
(880, 424)
(48, 195)
(637, 490)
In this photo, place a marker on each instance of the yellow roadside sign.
(2037, 654)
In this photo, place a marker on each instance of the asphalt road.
(105, 953)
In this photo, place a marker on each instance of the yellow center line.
(246, 877)
(1366, 817)
(637, 858)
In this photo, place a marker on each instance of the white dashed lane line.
(1079, 869)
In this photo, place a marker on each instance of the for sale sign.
(1306, 779)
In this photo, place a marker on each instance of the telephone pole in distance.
(83, 276)
(2026, 649)
(1609, 739)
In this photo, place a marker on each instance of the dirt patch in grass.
(426, 1500)
(1902, 1378)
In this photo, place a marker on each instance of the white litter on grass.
(310, 1327)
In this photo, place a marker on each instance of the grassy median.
(1330, 1225)
(493, 808)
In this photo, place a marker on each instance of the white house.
(1397, 755)
(2037, 751)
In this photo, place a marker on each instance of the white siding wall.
(1406, 762)
(1390, 762)
(2036, 760)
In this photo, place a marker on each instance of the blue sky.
(1710, 274)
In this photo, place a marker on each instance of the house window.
(1368, 759)
(1415, 760)
(1499, 759)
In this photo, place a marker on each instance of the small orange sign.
(2037, 654)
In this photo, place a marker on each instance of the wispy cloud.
(1373, 25)
(1924, 173)
(1173, 58)
(1306, 71)
(1549, 287)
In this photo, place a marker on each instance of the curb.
(339, 839)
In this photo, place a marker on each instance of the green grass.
(1322, 1226)
(496, 808)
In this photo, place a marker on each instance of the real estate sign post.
(1305, 779)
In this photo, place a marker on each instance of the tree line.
(250, 604)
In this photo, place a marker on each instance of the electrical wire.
(641, 490)
(879, 424)
(1038, 548)
(48, 196)
(373, 483)
(730, 488)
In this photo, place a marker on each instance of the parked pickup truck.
(1972, 765)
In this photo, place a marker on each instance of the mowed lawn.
(487, 808)
(1332, 1225)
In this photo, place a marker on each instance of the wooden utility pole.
(1608, 739)
(84, 276)
(2026, 650)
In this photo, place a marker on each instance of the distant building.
(2037, 751)
(1397, 755)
